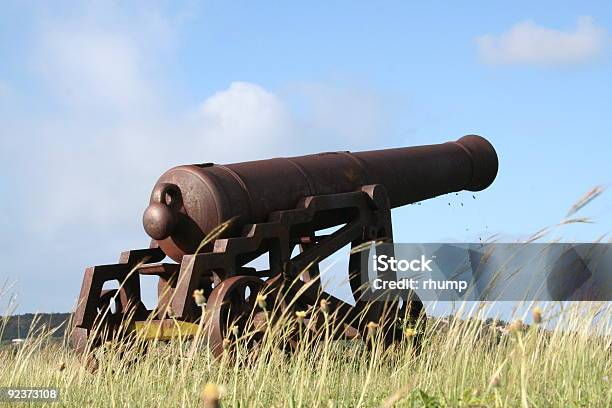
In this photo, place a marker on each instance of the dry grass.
(563, 359)
(466, 364)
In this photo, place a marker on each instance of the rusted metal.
(231, 307)
(190, 201)
(275, 205)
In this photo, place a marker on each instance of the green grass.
(564, 361)
(463, 363)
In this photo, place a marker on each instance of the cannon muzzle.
(189, 201)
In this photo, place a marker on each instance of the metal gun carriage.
(270, 207)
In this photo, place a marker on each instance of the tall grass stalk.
(462, 362)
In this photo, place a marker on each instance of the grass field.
(464, 363)
(562, 359)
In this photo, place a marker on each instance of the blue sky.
(98, 99)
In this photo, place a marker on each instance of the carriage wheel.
(231, 305)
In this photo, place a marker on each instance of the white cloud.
(119, 130)
(102, 177)
(245, 116)
(530, 44)
(90, 68)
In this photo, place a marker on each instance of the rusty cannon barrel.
(189, 201)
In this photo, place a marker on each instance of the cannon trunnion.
(213, 220)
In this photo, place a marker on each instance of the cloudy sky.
(98, 99)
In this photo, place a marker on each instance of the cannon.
(213, 220)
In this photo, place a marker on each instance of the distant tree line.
(20, 326)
